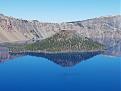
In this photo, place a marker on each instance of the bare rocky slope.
(18, 30)
(105, 30)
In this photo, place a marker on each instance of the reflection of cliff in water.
(5, 55)
(66, 59)
(112, 53)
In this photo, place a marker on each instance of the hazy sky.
(59, 10)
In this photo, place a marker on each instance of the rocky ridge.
(105, 30)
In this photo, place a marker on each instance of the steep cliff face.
(16, 30)
(105, 30)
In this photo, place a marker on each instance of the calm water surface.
(85, 72)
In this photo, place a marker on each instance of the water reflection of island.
(66, 59)
(63, 59)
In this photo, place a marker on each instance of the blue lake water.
(56, 73)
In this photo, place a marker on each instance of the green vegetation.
(65, 41)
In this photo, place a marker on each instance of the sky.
(59, 10)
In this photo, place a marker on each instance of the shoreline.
(57, 52)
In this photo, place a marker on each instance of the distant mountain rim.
(105, 30)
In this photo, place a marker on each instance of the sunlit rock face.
(105, 30)
(100, 27)
(13, 30)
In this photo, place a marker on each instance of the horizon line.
(30, 20)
